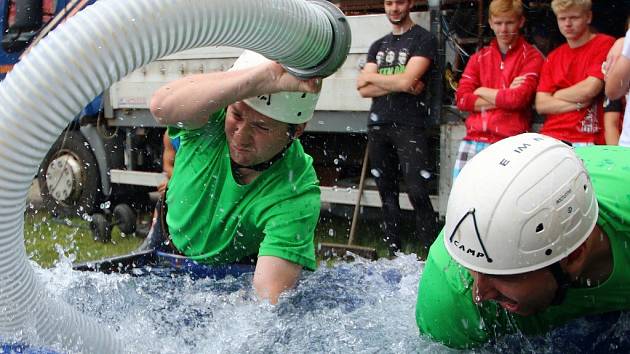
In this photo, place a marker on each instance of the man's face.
(252, 137)
(397, 11)
(573, 22)
(506, 27)
(524, 294)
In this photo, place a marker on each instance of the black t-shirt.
(391, 54)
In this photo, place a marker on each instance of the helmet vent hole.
(539, 228)
(585, 187)
(304, 95)
(548, 252)
(299, 114)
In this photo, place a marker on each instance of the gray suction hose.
(81, 59)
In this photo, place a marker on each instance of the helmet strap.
(263, 165)
(562, 280)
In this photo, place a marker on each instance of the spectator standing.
(571, 81)
(498, 85)
(394, 78)
(618, 81)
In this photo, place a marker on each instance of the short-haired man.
(571, 80)
(397, 124)
(498, 85)
(242, 186)
(536, 234)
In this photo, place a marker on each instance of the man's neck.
(245, 175)
(582, 40)
(402, 27)
(599, 263)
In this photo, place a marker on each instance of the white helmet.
(288, 107)
(520, 205)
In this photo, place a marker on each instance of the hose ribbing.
(78, 61)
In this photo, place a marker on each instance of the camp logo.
(467, 250)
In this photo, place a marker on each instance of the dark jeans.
(402, 151)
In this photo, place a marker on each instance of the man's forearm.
(487, 94)
(547, 104)
(194, 98)
(371, 90)
(273, 276)
(611, 127)
(581, 92)
(483, 105)
(392, 83)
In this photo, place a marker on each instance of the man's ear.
(299, 130)
(575, 261)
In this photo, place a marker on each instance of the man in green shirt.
(242, 186)
(536, 234)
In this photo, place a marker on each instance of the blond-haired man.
(571, 80)
(498, 85)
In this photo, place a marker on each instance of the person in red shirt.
(571, 81)
(498, 85)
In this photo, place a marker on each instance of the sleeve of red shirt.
(599, 56)
(521, 97)
(469, 82)
(545, 82)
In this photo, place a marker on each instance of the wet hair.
(562, 5)
(499, 7)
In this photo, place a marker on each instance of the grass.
(46, 238)
(335, 228)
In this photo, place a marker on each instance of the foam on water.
(359, 307)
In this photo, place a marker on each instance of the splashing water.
(358, 307)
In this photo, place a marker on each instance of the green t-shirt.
(445, 310)
(213, 219)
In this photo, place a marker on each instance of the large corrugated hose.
(81, 59)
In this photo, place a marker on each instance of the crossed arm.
(372, 84)
(487, 97)
(569, 98)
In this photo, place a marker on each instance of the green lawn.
(45, 237)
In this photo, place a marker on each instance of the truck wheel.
(69, 178)
(101, 228)
(125, 218)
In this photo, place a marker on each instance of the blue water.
(359, 307)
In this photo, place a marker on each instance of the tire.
(125, 218)
(101, 228)
(69, 177)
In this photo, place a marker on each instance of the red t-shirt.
(565, 67)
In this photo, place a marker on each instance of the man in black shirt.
(394, 77)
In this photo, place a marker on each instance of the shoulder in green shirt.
(445, 310)
(215, 220)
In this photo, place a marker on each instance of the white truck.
(114, 157)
